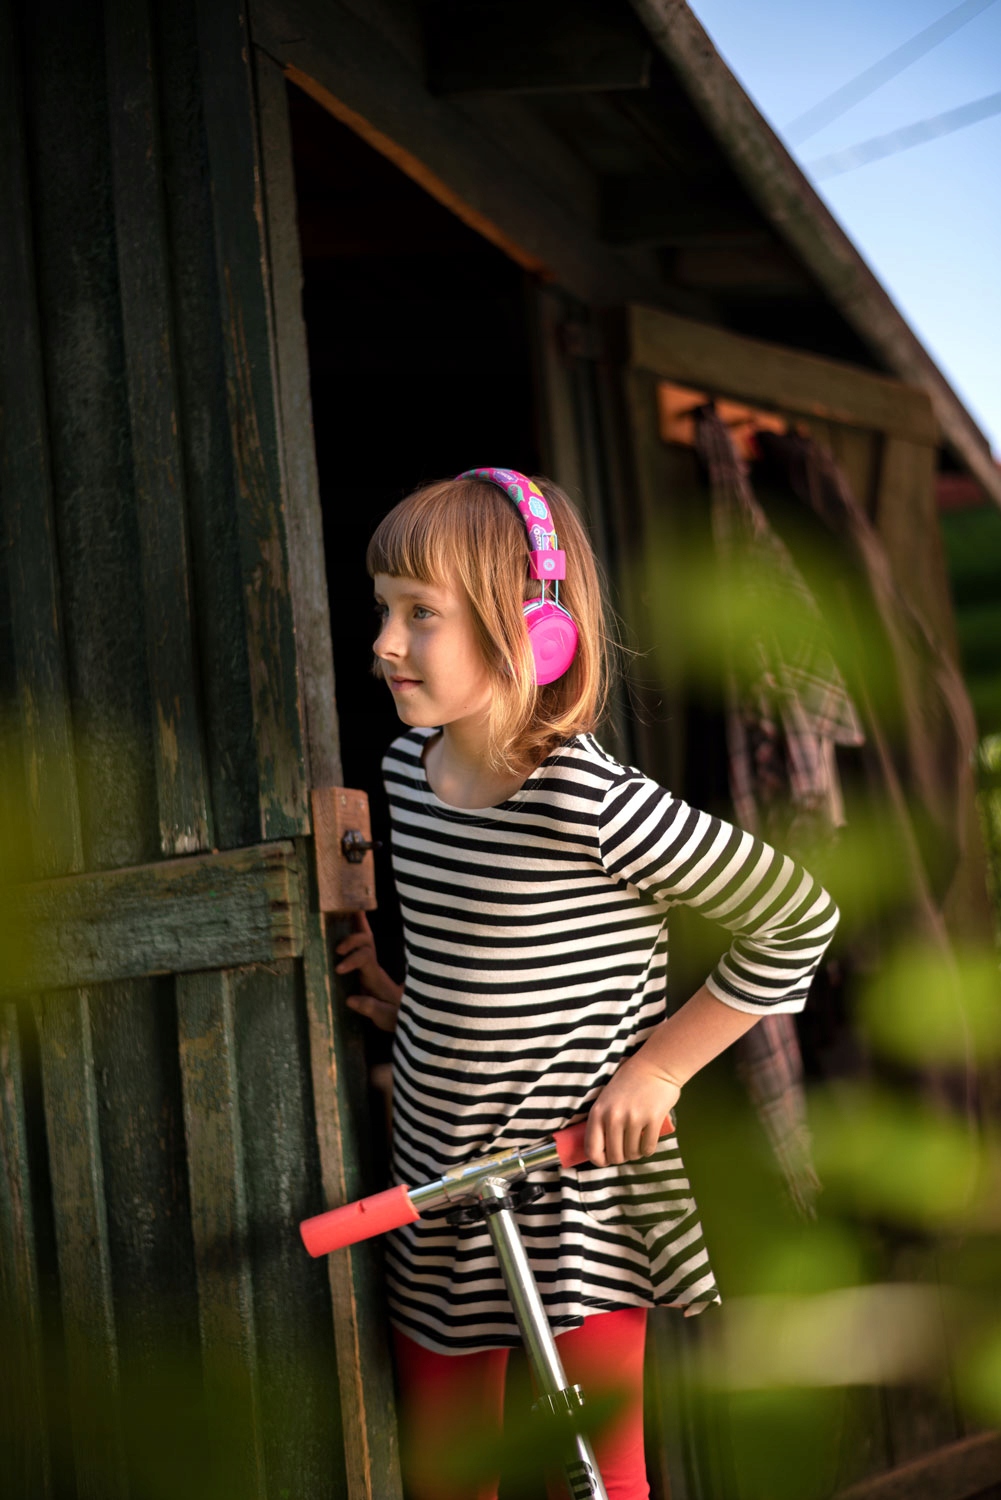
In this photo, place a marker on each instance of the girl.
(535, 874)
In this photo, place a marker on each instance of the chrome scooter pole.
(558, 1401)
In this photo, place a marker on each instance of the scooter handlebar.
(368, 1217)
(357, 1221)
(570, 1142)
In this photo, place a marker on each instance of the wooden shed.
(266, 265)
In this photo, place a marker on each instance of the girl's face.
(428, 652)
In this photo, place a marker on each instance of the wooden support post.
(645, 568)
(158, 467)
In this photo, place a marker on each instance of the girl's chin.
(412, 713)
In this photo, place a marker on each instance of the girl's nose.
(387, 642)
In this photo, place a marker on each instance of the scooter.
(478, 1191)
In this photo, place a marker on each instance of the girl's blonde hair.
(466, 533)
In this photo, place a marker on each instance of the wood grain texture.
(297, 1361)
(205, 436)
(338, 1069)
(28, 521)
(33, 278)
(656, 676)
(251, 395)
(174, 916)
(304, 517)
(23, 1415)
(728, 364)
(220, 1225)
(907, 521)
(959, 1471)
(157, 459)
(78, 1199)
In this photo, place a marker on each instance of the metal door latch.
(344, 866)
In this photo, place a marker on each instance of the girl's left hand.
(625, 1119)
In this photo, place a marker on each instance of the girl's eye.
(421, 612)
(380, 611)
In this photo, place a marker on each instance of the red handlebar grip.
(570, 1142)
(357, 1221)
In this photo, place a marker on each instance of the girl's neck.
(458, 772)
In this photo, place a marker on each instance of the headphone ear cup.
(552, 636)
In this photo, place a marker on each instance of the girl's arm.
(782, 921)
(625, 1119)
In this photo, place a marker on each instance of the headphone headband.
(552, 634)
(547, 561)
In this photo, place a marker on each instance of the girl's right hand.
(380, 996)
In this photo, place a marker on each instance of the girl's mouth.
(400, 684)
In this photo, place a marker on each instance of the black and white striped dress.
(536, 942)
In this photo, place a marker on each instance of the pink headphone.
(552, 633)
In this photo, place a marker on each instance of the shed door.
(177, 1088)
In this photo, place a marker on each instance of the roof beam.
(526, 47)
(645, 209)
(790, 203)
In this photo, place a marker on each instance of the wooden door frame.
(336, 1053)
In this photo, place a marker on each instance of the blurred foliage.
(926, 1006)
(897, 1283)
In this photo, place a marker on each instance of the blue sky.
(928, 220)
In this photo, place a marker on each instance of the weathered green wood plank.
(223, 660)
(174, 916)
(300, 1403)
(219, 1222)
(241, 257)
(55, 845)
(728, 364)
(371, 1451)
(75, 1166)
(156, 451)
(137, 1079)
(26, 498)
(92, 480)
(304, 516)
(23, 1419)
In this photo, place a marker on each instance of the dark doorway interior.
(421, 366)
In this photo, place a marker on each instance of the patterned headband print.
(535, 513)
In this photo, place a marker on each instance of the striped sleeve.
(782, 918)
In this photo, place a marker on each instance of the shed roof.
(606, 142)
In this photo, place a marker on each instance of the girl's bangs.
(416, 539)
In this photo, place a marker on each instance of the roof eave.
(789, 201)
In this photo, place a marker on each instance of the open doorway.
(421, 365)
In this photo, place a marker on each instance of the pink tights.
(442, 1394)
